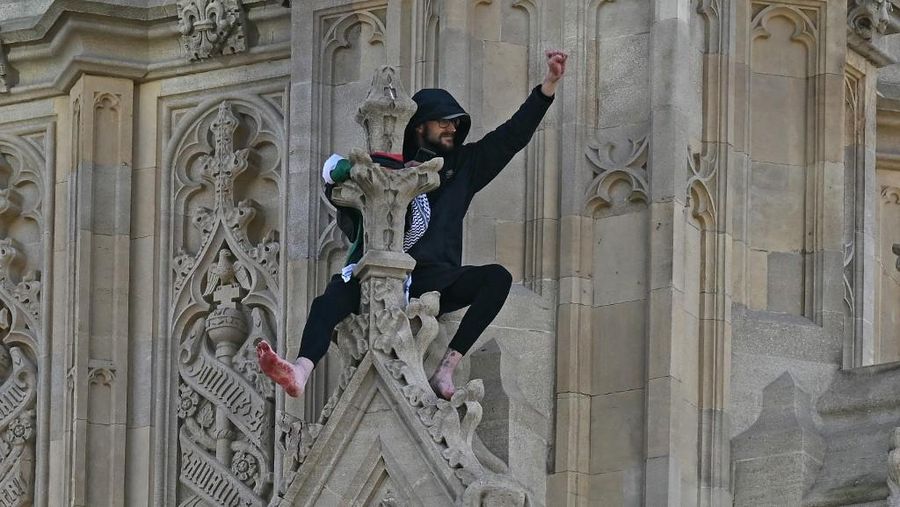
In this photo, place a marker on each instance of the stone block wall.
(704, 223)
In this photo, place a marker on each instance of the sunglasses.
(444, 123)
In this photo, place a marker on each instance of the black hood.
(434, 104)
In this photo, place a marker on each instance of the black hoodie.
(467, 169)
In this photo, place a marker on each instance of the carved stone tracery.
(21, 183)
(618, 162)
(225, 300)
(18, 393)
(701, 185)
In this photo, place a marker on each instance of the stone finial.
(383, 196)
(385, 112)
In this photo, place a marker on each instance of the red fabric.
(397, 157)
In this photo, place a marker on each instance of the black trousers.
(483, 288)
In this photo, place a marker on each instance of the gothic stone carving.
(21, 221)
(385, 112)
(701, 184)
(210, 28)
(398, 349)
(384, 217)
(616, 162)
(18, 392)
(225, 299)
(870, 17)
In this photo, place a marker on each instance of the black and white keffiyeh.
(421, 215)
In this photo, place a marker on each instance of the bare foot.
(292, 377)
(443, 387)
(442, 380)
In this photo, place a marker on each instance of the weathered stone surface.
(710, 202)
(860, 414)
(224, 285)
(777, 459)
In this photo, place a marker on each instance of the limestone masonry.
(704, 236)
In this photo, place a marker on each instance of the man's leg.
(484, 290)
(339, 300)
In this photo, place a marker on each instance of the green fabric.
(341, 171)
(340, 174)
(356, 248)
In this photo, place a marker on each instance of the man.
(342, 294)
(440, 126)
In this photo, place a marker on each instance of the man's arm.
(494, 151)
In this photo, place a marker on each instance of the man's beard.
(438, 147)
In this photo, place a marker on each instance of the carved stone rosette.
(225, 299)
(210, 28)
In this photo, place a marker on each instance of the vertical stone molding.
(707, 256)
(98, 247)
(225, 296)
(211, 28)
